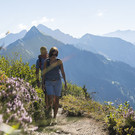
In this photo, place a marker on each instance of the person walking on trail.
(52, 79)
(39, 66)
(40, 63)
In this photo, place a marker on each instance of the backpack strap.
(58, 65)
(40, 59)
(47, 62)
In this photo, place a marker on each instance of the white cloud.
(35, 23)
(22, 26)
(43, 20)
(100, 14)
(2, 35)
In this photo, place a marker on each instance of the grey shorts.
(53, 87)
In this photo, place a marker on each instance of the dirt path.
(74, 126)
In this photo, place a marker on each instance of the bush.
(16, 68)
(19, 102)
(74, 106)
(120, 120)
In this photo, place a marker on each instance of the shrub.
(18, 101)
(120, 120)
(16, 68)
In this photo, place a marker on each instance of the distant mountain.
(112, 48)
(28, 46)
(127, 35)
(57, 34)
(110, 80)
(10, 38)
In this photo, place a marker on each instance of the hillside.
(79, 113)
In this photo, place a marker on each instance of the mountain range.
(10, 38)
(111, 80)
(128, 35)
(57, 34)
(110, 47)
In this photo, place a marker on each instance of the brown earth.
(74, 126)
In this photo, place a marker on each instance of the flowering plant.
(17, 99)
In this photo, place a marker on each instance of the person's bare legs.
(49, 104)
(56, 105)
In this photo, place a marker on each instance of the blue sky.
(74, 17)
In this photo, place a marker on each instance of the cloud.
(22, 26)
(100, 14)
(43, 20)
(2, 35)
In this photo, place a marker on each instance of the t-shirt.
(42, 63)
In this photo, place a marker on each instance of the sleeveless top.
(52, 71)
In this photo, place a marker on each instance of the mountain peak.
(34, 29)
(32, 32)
(42, 27)
(87, 36)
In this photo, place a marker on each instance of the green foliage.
(75, 100)
(74, 90)
(120, 120)
(16, 79)
(87, 95)
(74, 106)
(16, 68)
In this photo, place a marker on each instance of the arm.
(37, 73)
(63, 73)
(43, 76)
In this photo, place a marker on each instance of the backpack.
(40, 59)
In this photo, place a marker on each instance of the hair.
(43, 48)
(52, 50)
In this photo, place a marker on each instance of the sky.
(74, 17)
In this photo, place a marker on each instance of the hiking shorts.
(53, 87)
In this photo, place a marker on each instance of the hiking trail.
(74, 126)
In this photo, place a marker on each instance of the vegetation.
(24, 103)
(16, 68)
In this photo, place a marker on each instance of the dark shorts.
(53, 87)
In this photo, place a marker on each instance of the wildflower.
(1, 118)
(8, 111)
(14, 92)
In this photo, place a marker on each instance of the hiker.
(52, 78)
(40, 63)
(39, 66)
